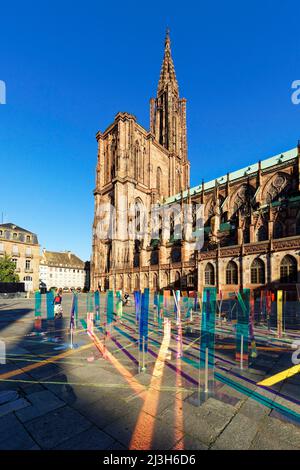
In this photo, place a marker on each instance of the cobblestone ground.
(55, 397)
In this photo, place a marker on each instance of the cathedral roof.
(234, 175)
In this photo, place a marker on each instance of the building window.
(231, 273)
(298, 225)
(262, 233)
(15, 249)
(15, 261)
(288, 269)
(27, 264)
(28, 238)
(154, 281)
(28, 251)
(190, 280)
(258, 272)
(209, 275)
(158, 181)
(278, 230)
(176, 255)
(15, 236)
(177, 280)
(246, 235)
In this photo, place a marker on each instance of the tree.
(7, 270)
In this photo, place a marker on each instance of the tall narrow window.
(278, 229)
(231, 273)
(158, 181)
(258, 272)
(288, 269)
(262, 233)
(209, 275)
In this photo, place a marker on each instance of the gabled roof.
(63, 259)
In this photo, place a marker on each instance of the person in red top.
(58, 311)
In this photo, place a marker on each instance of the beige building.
(251, 216)
(62, 269)
(23, 248)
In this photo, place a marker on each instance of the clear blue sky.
(70, 66)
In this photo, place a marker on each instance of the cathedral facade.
(251, 224)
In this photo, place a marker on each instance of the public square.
(94, 396)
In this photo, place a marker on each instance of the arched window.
(158, 181)
(176, 254)
(298, 225)
(154, 281)
(172, 226)
(106, 164)
(178, 173)
(288, 269)
(139, 213)
(141, 158)
(262, 233)
(278, 229)
(209, 275)
(231, 273)
(136, 160)
(129, 282)
(258, 272)
(177, 280)
(246, 235)
(190, 279)
(154, 257)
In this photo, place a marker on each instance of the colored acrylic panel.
(143, 324)
(119, 304)
(110, 307)
(97, 306)
(37, 304)
(50, 305)
(208, 326)
(242, 327)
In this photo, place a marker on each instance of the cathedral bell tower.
(168, 122)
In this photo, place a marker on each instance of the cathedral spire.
(167, 73)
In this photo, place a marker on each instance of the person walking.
(58, 310)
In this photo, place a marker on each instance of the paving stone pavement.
(85, 402)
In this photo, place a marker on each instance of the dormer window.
(15, 236)
(28, 238)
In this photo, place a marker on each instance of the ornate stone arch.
(261, 228)
(240, 198)
(276, 187)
